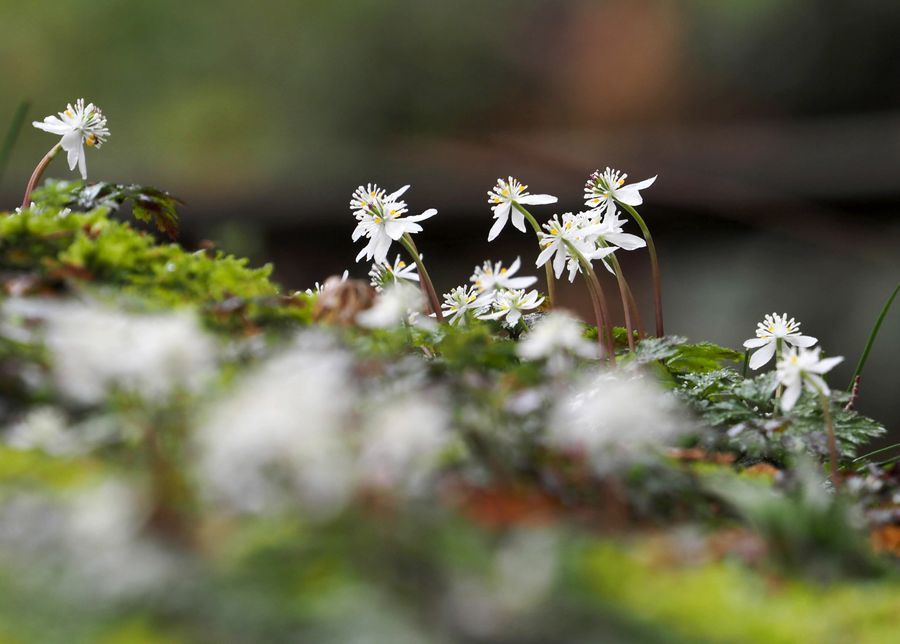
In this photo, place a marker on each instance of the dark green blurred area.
(774, 126)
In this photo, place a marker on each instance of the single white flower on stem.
(503, 198)
(803, 367)
(556, 338)
(463, 299)
(561, 237)
(604, 189)
(494, 277)
(509, 306)
(78, 125)
(386, 273)
(773, 328)
(381, 220)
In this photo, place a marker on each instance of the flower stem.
(601, 311)
(654, 266)
(38, 172)
(425, 279)
(623, 294)
(832, 441)
(551, 280)
(854, 381)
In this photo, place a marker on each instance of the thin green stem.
(38, 172)
(825, 402)
(872, 335)
(551, 280)
(877, 451)
(603, 309)
(654, 266)
(424, 278)
(598, 316)
(623, 294)
(12, 134)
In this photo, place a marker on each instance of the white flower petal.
(431, 212)
(625, 241)
(396, 194)
(537, 200)
(804, 341)
(545, 255)
(755, 343)
(790, 395)
(497, 227)
(518, 220)
(826, 365)
(763, 355)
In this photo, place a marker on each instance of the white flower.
(381, 220)
(611, 232)
(463, 299)
(503, 198)
(801, 367)
(773, 328)
(93, 349)
(616, 421)
(604, 189)
(317, 290)
(78, 125)
(574, 230)
(46, 429)
(386, 273)
(93, 538)
(279, 437)
(509, 305)
(402, 442)
(555, 337)
(494, 277)
(398, 304)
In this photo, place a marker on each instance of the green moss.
(90, 251)
(726, 602)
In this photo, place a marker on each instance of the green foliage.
(807, 529)
(50, 248)
(147, 204)
(723, 601)
(679, 357)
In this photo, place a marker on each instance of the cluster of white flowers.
(301, 430)
(557, 338)
(94, 350)
(91, 538)
(797, 365)
(585, 236)
(495, 293)
(78, 125)
(278, 436)
(401, 443)
(616, 420)
(381, 220)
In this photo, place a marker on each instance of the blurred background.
(774, 127)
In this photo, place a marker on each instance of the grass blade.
(872, 336)
(12, 134)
